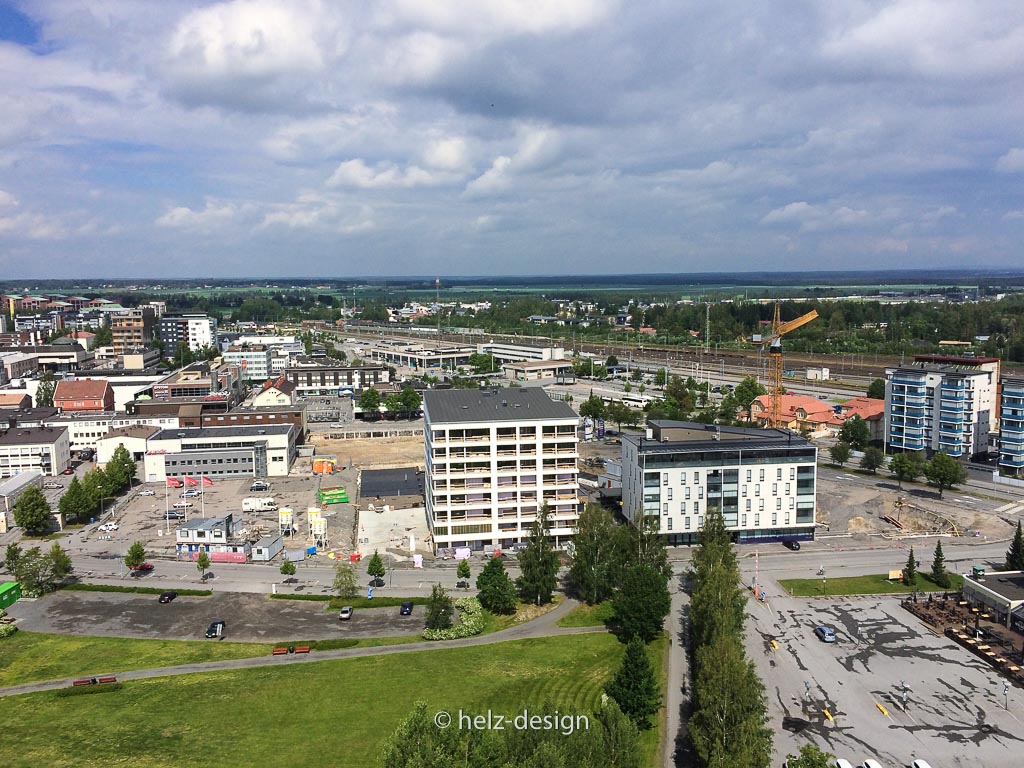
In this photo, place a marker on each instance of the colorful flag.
(173, 482)
(191, 481)
(206, 480)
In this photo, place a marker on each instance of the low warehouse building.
(1000, 594)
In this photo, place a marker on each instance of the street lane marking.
(882, 709)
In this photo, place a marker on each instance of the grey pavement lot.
(249, 617)
(955, 712)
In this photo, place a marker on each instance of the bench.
(302, 649)
(107, 679)
(85, 681)
(280, 651)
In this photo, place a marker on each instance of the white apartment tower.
(940, 403)
(493, 457)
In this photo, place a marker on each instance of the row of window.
(687, 522)
(750, 472)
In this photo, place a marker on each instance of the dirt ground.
(374, 452)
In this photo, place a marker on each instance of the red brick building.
(83, 396)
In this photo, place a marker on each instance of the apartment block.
(252, 359)
(943, 404)
(132, 328)
(763, 481)
(1011, 427)
(196, 331)
(493, 458)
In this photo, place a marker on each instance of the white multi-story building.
(1011, 427)
(44, 448)
(254, 361)
(762, 480)
(493, 457)
(939, 403)
(196, 331)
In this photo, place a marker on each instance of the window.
(757, 489)
(748, 505)
(792, 503)
(792, 473)
(787, 489)
(686, 523)
(749, 473)
(760, 505)
(778, 474)
(775, 520)
(700, 521)
(743, 521)
(682, 478)
(696, 508)
(744, 490)
(757, 520)
(664, 479)
(669, 527)
(664, 509)
(687, 493)
(682, 507)
(700, 492)
(775, 489)
(761, 474)
(670, 494)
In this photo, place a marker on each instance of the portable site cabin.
(267, 548)
(10, 591)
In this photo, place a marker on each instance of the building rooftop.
(490, 404)
(1009, 585)
(204, 523)
(404, 481)
(143, 431)
(196, 433)
(81, 389)
(32, 435)
(673, 436)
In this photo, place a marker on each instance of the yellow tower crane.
(773, 341)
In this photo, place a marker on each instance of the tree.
(872, 459)
(439, 609)
(611, 362)
(839, 453)
(135, 556)
(288, 568)
(345, 580)
(31, 512)
(939, 573)
(375, 569)
(747, 391)
(905, 467)
(93, 490)
(369, 402)
(810, 755)
(59, 562)
(640, 606)
(393, 402)
(462, 571)
(910, 570)
(202, 562)
(1015, 554)
(634, 687)
(74, 504)
(44, 393)
(39, 573)
(538, 562)
(876, 389)
(636, 374)
(661, 377)
(119, 472)
(597, 555)
(497, 591)
(592, 407)
(856, 433)
(104, 337)
(411, 401)
(621, 414)
(482, 363)
(11, 557)
(717, 602)
(945, 471)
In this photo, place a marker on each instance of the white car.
(147, 493)
(183, 504)
(52, 486)
(108, 527)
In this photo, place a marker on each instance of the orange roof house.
(83, 396)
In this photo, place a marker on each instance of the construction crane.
(773, 341)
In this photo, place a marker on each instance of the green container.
(10, 591)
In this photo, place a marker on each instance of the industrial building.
(493, 457)
(763, 481)
(219, 452)
(999, 594)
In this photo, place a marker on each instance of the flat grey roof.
(248, 430)
(405, 481)
(488, 404)
(204, 523)
(1007, 585)
(693, 436)
(31, 435)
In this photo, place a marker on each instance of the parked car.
(841, 763)
(406, 609)
(175, 514)
(108, 527)
(191, 493)
(183, 504)
(919, 764)
(147, 492)
(869, 763)
(216, 629)
(825, 634)
(346, 613)
(52, 486)
(259, 485)
(141, 568)
(68, 471)
(378, 582)
(794, 545)
(166, 597)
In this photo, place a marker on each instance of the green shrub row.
(335, 603)
(331, 644)
(471, 621)
(6, 630)
(315, 598)
(85, 690)
(80, 587)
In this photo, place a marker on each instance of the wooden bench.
(85, 681)
(302, 649)
(107, 679)
(280, 651)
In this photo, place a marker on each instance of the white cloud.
(448, 154)
(1012, 161)
(182, 217)
(7, 200)
(502, 17)
(538, 149)
(311, 211)
(1017, 215)
(814, 218)
(357, 174)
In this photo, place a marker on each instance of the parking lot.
(954, 711)
(249, 617)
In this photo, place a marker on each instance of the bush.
(80, 587)
(332, 644)
(86, 690)
(471, 621)
(6, 630)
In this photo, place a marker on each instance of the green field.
(29, 656)
(587, 615)
(330, 713)
(863, 585)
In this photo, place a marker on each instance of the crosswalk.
(1013, 508)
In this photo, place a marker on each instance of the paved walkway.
(543, 626)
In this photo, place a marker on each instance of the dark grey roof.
(32, 435)
(694, 436)
(487, 404)
(248, 430)
(1009, 586)
(405, 481)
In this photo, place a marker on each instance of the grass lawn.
(330, 713)
(584, 615)
(29, 656)
(864, 585)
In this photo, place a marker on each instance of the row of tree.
(943, 471)
(405, 403)
(729, 721)
(39, 572)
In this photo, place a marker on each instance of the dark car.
(216, 629)
(175, 514)
(166, 597)
(378, 582)
(794, 545)
(462, 584)
(406, 609)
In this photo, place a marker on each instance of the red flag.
(191, 481)
(173, 482)
(206, 480)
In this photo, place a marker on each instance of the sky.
(269, 138)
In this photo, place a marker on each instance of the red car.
(68, 471)
(138, 570)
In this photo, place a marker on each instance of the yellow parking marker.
(882, 709)
(828, 715)
(775, 645)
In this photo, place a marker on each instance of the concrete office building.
(253, 360)
(221, 452)
(762, 480)
(43, 448)
(319, 378)
(1011, 427)
(493, 457)
(940, 403)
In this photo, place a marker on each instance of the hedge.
(336, 603)
(79, 587)
(86, 690)
(471, 621)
